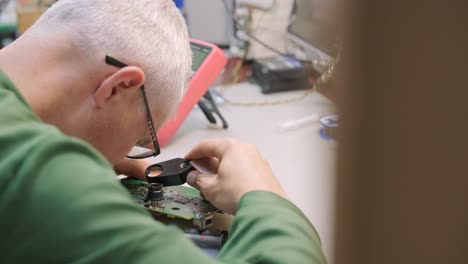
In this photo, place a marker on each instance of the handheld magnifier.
(169, 173)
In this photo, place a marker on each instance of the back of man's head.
(150, 34)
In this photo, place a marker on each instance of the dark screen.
(199, 55)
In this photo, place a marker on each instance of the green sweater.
(60, 203)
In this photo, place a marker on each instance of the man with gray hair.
(71, 107)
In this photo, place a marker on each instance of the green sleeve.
(64, 205)
(269, 229)
(68, 207)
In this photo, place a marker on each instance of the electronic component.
(282, 73)
(176, 205)
(208, 62)
(155, 194)
(180, 202)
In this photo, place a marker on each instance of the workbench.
(303, 161)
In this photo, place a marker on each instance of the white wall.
(209, 21)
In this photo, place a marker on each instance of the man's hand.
(232, 170)
(132, 168)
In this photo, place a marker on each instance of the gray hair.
(151, 34)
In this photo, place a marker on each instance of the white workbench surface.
(301, 159)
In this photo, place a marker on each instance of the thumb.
(192, 178)
(203, 182)
(200, 180)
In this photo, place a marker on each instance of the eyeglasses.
(140, 150)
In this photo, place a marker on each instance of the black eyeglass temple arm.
(150, 120)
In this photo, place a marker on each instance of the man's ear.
(129, 77)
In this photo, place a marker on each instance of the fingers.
(214, 148)
(206, 165)
(132, 168)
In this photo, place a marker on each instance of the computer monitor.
(313, 31)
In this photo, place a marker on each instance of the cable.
(267, 103)
(293, 13)
(317, 62)
(236, 79)
(324, 77)
(231, 13)
(321, 63)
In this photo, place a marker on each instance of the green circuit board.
(179, 201)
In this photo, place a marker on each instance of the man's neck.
(45, 69)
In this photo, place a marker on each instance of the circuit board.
(179, 202)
